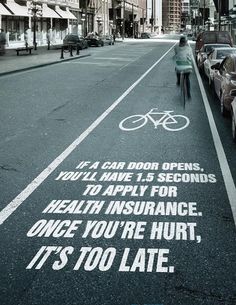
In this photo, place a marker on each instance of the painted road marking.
(167, 120)
(30, 188)
(226, 173)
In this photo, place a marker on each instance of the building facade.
(185, 15)
(45, 20)
(129, 17)
(171, 15)
(154, 16)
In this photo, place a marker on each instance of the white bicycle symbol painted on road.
(170, 122)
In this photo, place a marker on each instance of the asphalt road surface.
(111, 192)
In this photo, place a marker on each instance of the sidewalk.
(10, 62)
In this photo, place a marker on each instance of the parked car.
(145, 35)
(224, 79)
(94, 40)
(108, 40)
(216, 56)
(233, 114)
(212, 37)
(205, 50)
(75, 39)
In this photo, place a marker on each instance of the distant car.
(75, 39)
(233, 114)
(145, 35)
(224, 79)
(216, 56)
(190, 36)
(94, 40)
(108, 39)
(205, 50)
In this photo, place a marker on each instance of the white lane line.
(224, 166)
(16, 202)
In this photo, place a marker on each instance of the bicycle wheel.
(183, 87)
(133, 122)
(175, 122)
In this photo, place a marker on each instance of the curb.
(42, 65)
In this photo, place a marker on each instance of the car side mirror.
(233, 93)
(209, 53)
(216, 66)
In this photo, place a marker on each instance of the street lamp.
(99, 21)
(111, 24)
(83, 20)
(35, 10)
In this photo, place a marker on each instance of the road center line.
(224, 166)
(30, 188)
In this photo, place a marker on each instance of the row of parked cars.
(88, 41)
(216, 60)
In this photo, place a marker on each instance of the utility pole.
(114, 17)
(86, 19)
(132, 20)
(123, 25)
(204, 14)
(219, 15)
(152, 16)
(143, 18)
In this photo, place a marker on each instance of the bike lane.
(130, 217)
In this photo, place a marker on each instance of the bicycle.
(183, 67)
(169, 122)
(183, 86)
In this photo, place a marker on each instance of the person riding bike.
(183, 61)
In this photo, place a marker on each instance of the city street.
(113, 193)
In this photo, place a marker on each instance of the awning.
(4, 11)
(71, 16)
(49, 13)
(62, 13)
(130, 7)
(16, 9)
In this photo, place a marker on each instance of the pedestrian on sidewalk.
(48, 36)
(2, 42)
(26, 39)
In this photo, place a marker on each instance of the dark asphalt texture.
(47, 110)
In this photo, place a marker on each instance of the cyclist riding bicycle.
(183, 61)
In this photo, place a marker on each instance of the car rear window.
(216, 37)
(210, 37)
(221, 54)
(223, 37)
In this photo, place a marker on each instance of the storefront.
(45, 22)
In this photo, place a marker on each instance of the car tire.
(200, 69)
(210, 81)
(222, 106)
(214, 89)
(233, 127)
